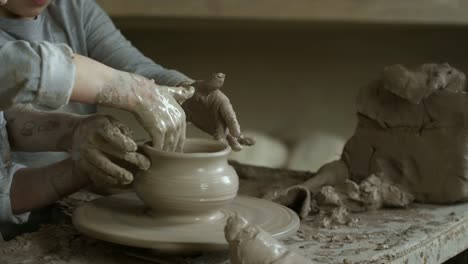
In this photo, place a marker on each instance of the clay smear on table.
(409, 145)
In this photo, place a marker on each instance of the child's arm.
(49, 75)
(33, 131)
(95, 142)
(94, 137)
(33, 188)
(157, 108)
(106, 44)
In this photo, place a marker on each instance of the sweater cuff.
(57, 75)
(175, 78)
(6, 212)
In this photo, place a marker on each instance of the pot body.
(195, 183)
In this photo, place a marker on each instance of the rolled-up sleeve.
(41, 73)
(6, 212)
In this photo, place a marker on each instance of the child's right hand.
(157, 108)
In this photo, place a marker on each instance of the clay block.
(421, 146)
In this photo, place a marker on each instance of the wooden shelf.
(432, 12)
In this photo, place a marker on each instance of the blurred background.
(294, 67)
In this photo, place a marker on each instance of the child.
(84, 26)
(90, 139)
(40, 43)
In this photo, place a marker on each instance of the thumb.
(180, 94)
(214, 83)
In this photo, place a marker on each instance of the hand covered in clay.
(210, 110)
(156, 107)
(96, 140)
(161, 115)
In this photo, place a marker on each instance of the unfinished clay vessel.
(189, 186)
(181, 204)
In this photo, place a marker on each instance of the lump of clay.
(310, 153)
(250, 244)
(413, 130)
(267, 152)
(328, 192)
(419, 84)
(409, 145)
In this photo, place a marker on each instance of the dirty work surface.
(420, 234)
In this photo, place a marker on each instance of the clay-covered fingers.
(162, 117)
(170, 141)
(167, 137)
(237, 143)
(94, 174)
(137, 159)
(157, 136)
(123, 128)
(117, 134)
(175, 138)
(226, 112)
(233, 142)
(181, 139)
(180, 94)
(215, 82)
(104, 164)
(246, 141)
(220, 131)
(228, 126)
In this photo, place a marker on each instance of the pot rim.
(223, 152)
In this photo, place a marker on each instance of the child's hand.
(156, 107)
(96, 140)
(211, 111)
(159, 112)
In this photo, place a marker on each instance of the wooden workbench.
(420, 234)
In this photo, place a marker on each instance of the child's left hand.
(96, 141)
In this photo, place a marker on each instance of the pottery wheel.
(123, 219)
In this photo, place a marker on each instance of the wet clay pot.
(189, 186)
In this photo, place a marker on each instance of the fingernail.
(236, 147)
(247, 141)
(222, 140)
(145, 165)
